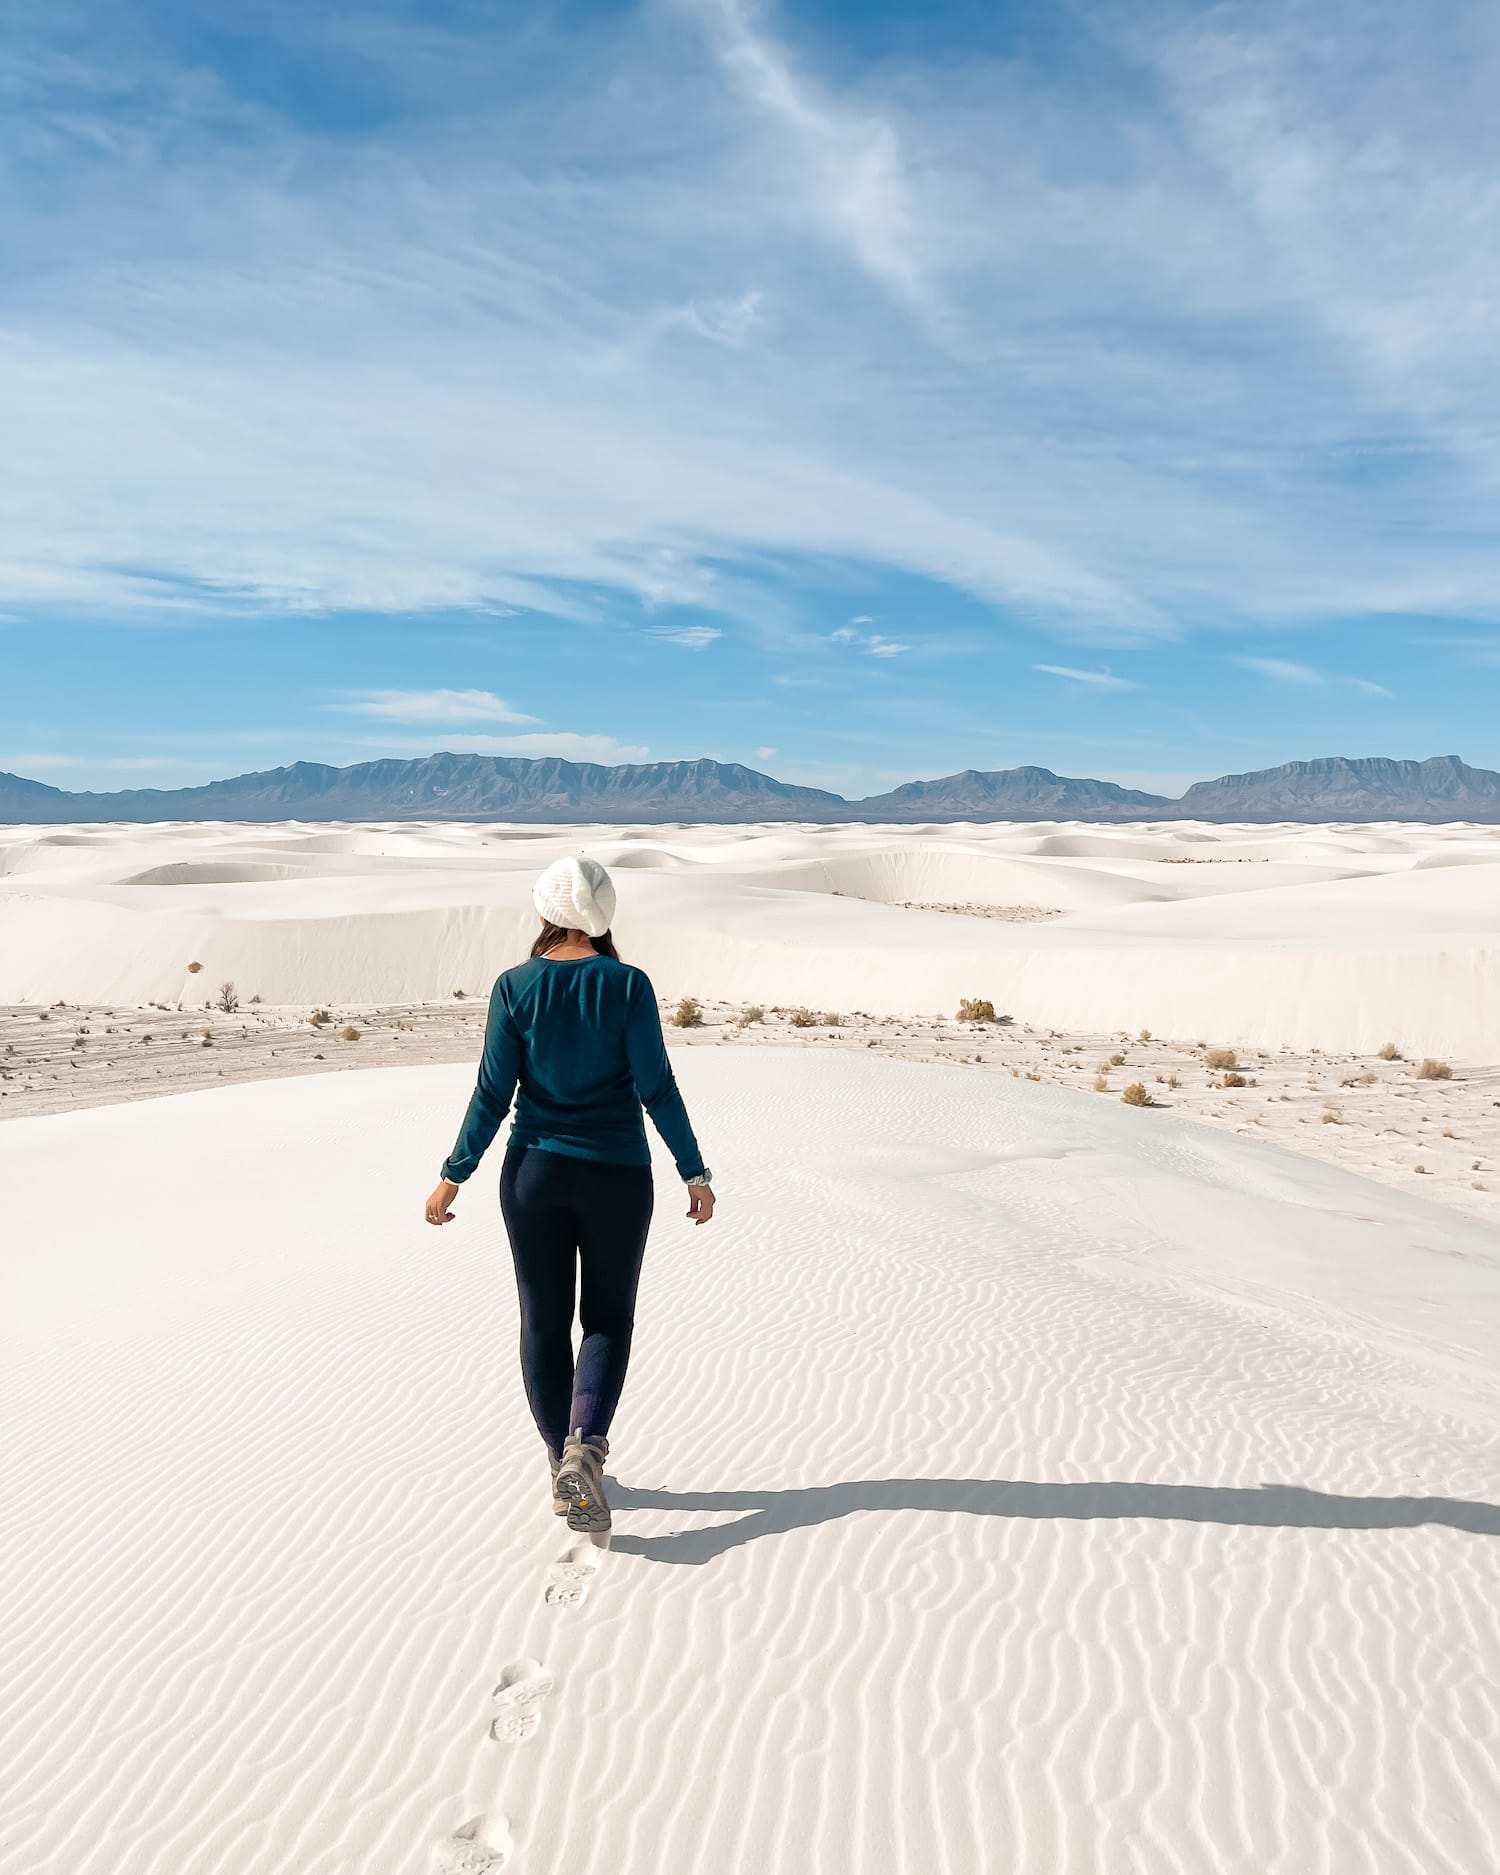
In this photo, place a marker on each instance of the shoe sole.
(587, 1510)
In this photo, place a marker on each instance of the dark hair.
(551, 935)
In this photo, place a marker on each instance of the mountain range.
(521, 788)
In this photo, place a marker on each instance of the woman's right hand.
(438, 1203)
(700, 1203)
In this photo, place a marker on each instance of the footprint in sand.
(522, 1688)
(568, 1578)
(476, 1849)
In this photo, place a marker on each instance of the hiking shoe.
(580, 1482)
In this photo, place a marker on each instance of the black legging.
(561, 1212)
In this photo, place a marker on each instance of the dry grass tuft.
(319, 1017)
(349, 1033)
(1431, 1070)
(1221, 1058)
(688, 1014)
(1101, 1083)
(1144, 1036)
(1235, 1080)
(975, 1009)
(1389, 1052)
(1136, 1095)
(804, 1019)
(754, 1013)
(1117, 1061)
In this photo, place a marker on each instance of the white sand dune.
(1006, 1481)
(1305, 937)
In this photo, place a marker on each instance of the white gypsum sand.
(1305, 949)
(1338, 938)
(1376, 1116)
(1006, 1479)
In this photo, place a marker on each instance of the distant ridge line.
(549, 789)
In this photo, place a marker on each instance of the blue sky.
(859, 392)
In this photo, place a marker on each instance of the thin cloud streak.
(1096, 680)
(432, 706)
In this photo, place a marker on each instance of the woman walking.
(574, 1035)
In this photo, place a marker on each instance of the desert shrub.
(1144, 1036)
(1101, 1083)
(804, 1019)
(752, 1013)
(349, 1032)
(228, 998)
(1389, 1052)
(194, 968)
(687, 1014)
(1332, 1117)
(1419, 1168)
(1221, 1058)
(975, 1009)
(319, 1017)
(1117, 1061)
(1137, 1095)
(1235, 1080)
(1431, 1070)
(832, 1019)
(1367, 1079)
(255, 999)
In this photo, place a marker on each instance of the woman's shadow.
(1270, 1506)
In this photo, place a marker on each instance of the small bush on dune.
(975, 1009)
(1101, 1084)
(753, 1014)
(1144, 1036)
(1137, 1095)
(832, 1019)
(228, 998)
(1221, 1058)
(194, 968)
(1117, 1061)
(1235, 1080)
(687, 1014)
(350, 1033)
(804, 1019)
(1389, 1052)
(319, 1017)
(1431, 1070)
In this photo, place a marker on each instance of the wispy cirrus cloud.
(432, 706)
(1094, 680)
(872, 644)
(1202, 342)
(1287, 671)
(690, 637)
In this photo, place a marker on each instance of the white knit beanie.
(576, 894)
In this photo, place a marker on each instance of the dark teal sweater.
(577, 1042)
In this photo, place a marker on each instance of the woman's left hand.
(437, 1204)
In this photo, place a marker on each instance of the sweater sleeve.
(655, 1083)
(499, 1070)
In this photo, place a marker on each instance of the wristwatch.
(705, 1177)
